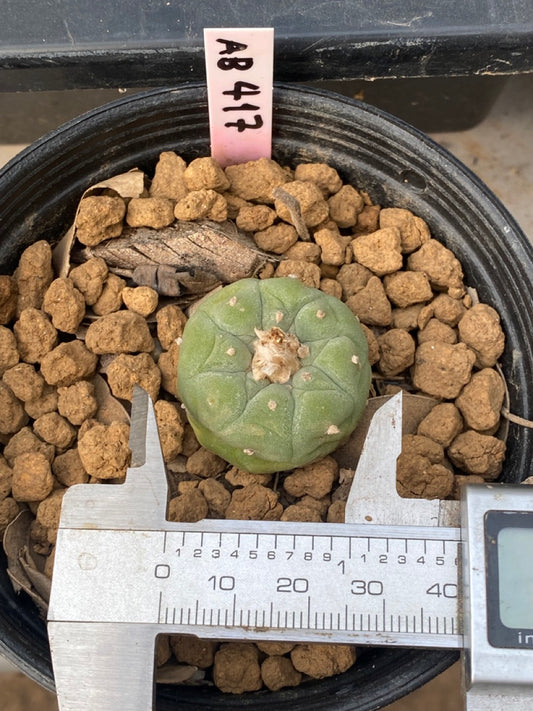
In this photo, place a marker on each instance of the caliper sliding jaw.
(103, 665)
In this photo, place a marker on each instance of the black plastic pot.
(398, 166)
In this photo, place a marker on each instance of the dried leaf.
(173, 673)
(16, 536)
(295, 210)
(215, 252)
(24, 566)
(39, 580)
(105, 361)
(126, 185)
(163, 278)
(199, 282)
(507, 416)
(109, 408)
(472, 293)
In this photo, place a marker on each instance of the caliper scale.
(399, 572)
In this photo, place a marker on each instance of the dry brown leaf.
(173, 673)
(202, 253)
(109, 408)
(41, 582)
(24, 566)
(16, 536)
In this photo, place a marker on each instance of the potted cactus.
(249, 351)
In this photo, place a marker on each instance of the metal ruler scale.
(123, 574)
(222, 580)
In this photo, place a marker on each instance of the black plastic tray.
(74, 45)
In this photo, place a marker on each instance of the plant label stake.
(239, 66)
(390, 576)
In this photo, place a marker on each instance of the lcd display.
(515, 573)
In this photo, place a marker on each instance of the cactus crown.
(277, 355)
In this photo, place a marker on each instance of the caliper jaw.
(138, 504)
(102, 666)
(373, 496)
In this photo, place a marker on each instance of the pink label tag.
(239, 66)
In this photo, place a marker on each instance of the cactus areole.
(273, 374)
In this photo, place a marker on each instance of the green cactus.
(273, 374)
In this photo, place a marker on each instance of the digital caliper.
(400, 572)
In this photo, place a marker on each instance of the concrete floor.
(500, 151)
